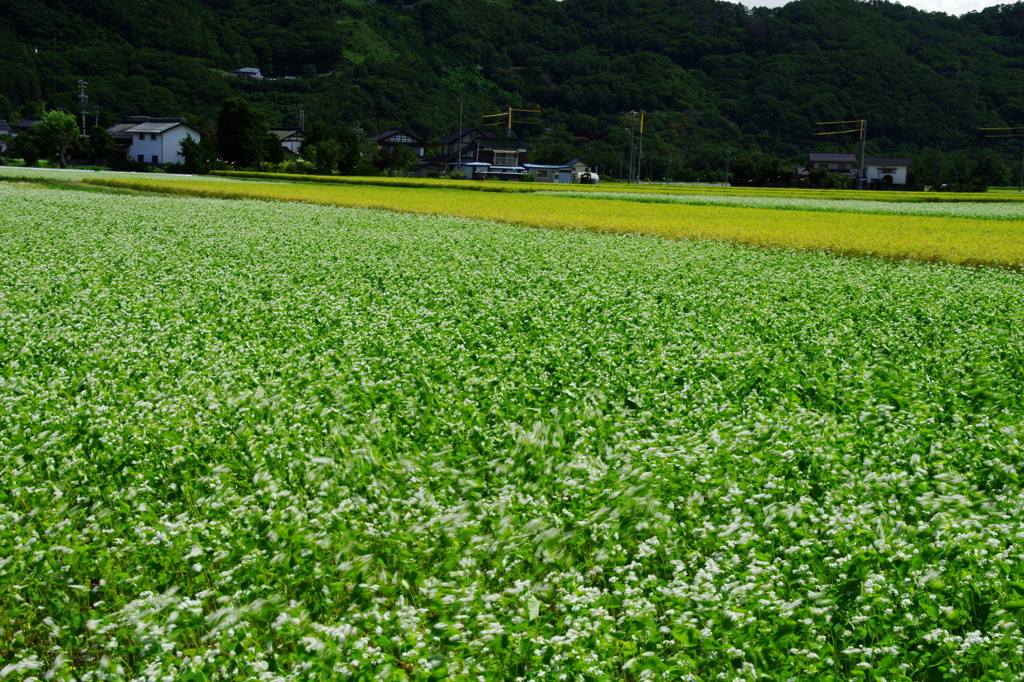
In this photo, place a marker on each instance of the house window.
(504, 157)
(156, 159)
(153, 137)
(888, 171)
(141, 137)
(843, 167)
(542, 174)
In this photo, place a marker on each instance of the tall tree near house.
(56, 132)
(349, 150)
(200, 157)
(101, 145)
(241, 131)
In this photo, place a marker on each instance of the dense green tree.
(101, 145)
(241, 133)
(403, 159)
(273, 152)
(57, 131)
(200, 156)
(24, 146)
(348, 158)
(324, 155)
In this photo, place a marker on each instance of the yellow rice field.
(643, 188)
(954, 240)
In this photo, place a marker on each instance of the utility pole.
(863, 144)
(727, 153)
(82, 99)
(96, 122)
(461, 136)
(302, 117)
(640, 152)
(632, 146)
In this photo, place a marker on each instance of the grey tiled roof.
(886, 161)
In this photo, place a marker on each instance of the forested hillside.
(711, 76)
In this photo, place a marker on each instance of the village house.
(836, 163)
(879, 171)
(391, 139)
(885, 171)
(291, 139)
(153, 141)
(455, 150)
(248, 72)
(494, 158)
(5, 129)
(24, 125)
(564, 173)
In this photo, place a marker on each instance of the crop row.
(267, 440)
(989, 210)
(956, 240)
(649, 188)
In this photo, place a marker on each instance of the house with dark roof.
(500, 158)
(840, 163)
(885, 171)
(391, 139)
(291, 139)
(479, 156)
(456, 149)
(879, 171)
(153, 141)
(5, 129)
(569, 171)
(26, 124)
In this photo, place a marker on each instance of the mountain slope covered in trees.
(711, 75)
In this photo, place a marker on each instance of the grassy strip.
(961, 241)
(715, 190)
(48, 182)
(989, 210)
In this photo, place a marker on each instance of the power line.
(862, 129)
(1020, 185)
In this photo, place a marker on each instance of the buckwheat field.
(243, 440)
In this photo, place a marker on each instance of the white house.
(5, 129)
(153, 141)
(884, 170)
